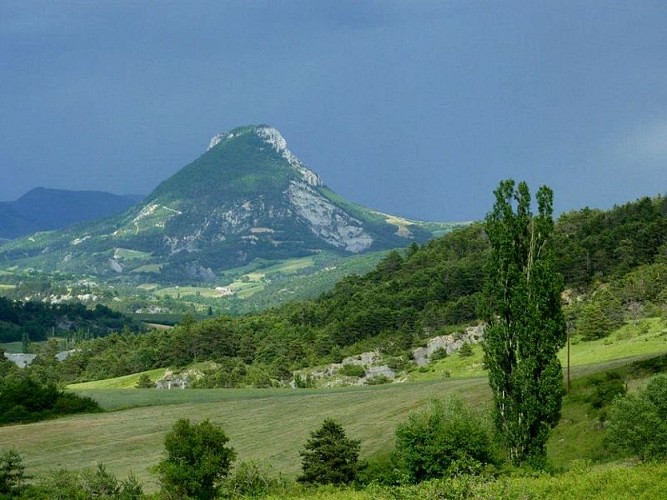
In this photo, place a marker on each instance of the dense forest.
(38, 320)
(615, 261)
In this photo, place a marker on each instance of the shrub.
(382, 470)
(466, 350)
(303, 381)
(352, 371)
(85, 484)
(440, 353)
(252, 479)
(197, 459)
(329, 456)
(606, 388)
(440, 439)
(638, 423)
(378, 380)
(145, 382)
(26, 400)
(68, 403)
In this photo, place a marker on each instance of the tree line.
(36, 321)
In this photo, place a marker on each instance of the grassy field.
(126, 382)
(246, 284)
(272, 425)
(269, 425)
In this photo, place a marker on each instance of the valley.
(357, 316)
(269, 425)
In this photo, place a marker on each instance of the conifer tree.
(526, 327)
(329, 456)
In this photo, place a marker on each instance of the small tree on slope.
(329, 456)
(197, 460)
(526, 327)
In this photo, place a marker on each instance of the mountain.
(44, 209)
(247, 197)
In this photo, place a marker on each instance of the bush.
(197, 460)
(254, 480)
(26, 400)
(440, 439)
(638, 423)
(606, 388)
(352, 371)
(380, 469)
(378, 380)
(329, 456)
(466, 350)
(68, 403)
(145, 382)
(85, 484)
(438, 354)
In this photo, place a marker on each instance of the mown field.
(267, 425)
(271, 425)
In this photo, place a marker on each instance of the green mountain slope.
(247, 197)
(410, 296)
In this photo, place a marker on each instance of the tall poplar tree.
(526, 327)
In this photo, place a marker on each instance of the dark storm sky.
(415, 108)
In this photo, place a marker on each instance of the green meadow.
(271, 425)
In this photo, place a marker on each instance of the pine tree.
(526, 327)
(330, 457)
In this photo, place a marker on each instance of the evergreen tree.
(145, 382)
(25, 343)
(12, 474)
(330, 457)
(526, 327)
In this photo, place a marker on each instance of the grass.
(13, 347)
(186, 291)
(148, 268)
(126, 382)
(620, 481)
(290, 266)
(271, 425)
(268, 425)
(127, 254)
(643, 338)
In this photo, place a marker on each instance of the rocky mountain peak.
(275, 139)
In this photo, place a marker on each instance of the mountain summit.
(247, 197)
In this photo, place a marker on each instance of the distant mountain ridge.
(43, 209)
(247, 197)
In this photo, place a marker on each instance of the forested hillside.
(34, 321)
(411, 295)
(599, 244)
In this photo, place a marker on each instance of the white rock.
(327, 221)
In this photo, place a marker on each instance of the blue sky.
(415, 108)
